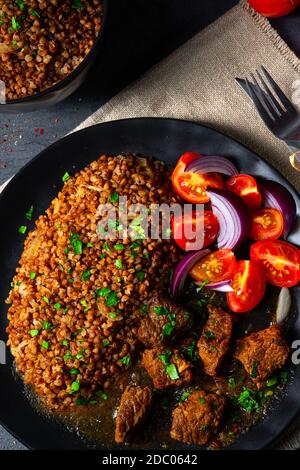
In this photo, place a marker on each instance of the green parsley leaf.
(140, 275)
(103, 292)
(119, 246)
(65, 177)
(114, 197)
(45, 299)
(74, 371)
(15, 24)
(86, 275)
(46, 325)
(102, 395)
(172, 371)
(65, 342)
(57, 306)
(33, 333)
(112, 299)
(125, 360)
(45, 344)
(119, 264)
(105, 343)
(161, 310)
(23, 229)
(32, 275)
(75, 386)
(184, 396)
(29, 213)
(209, 334)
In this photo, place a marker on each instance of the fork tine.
(272, 99)
(281, 95)
(271, 103)
(264, 114)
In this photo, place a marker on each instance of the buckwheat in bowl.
(46, 48)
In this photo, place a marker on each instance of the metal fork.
(276, 110)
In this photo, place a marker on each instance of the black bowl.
(65, 87)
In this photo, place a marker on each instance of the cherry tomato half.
(274, 8)
(192, 186)
(215, 267)
(249, 285)
(246, 187)
(184, 227)
(267, 224)
(280, 259)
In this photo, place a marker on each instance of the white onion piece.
(284, 304)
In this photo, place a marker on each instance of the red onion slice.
(233, 216)
(182, 269)
(278, 197)
(212, 164)
(223, 286)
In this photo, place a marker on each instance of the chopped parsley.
(272, 381)
(103, 292)
(105, 343)
(144, 309)
(102, 395)
(140, 275)
(46, 325)
(172, 371)
(106, 247)
(112, 299)
(45, 344)
(161, 310)
(165, 358)
(65, 342)
(45, 299)
(184, 396)
(33, 333)
(125, 360)
(57, 306)
(20, 4)
(119, 264)
(74, 371)
(254, 370)
(29, 213)
(114, 197)
(209, 334)
(75, 386)
(34, 13)
(32, 275)
(86, 275)
(119, 246)
(202, 400)
(15, 24)
(248, 401)
(23, 229)
(76, 243)
(65, 177)
(231, 382)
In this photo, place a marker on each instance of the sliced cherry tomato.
(192, 186)
(274, 8)
(249, 285)
(215, 267)
(246, 187)
(280, 259)
(183, 227)
(267, 224)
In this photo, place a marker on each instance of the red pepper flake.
(39, 130)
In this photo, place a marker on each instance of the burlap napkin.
(197, 82)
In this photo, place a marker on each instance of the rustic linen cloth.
(197, 82)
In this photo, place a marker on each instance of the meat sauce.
(246, 405)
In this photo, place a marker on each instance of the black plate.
(38, 183)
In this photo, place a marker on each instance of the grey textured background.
(139, 33)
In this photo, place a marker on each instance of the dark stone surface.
(139, 34)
